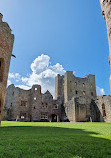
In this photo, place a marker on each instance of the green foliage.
(55, 140)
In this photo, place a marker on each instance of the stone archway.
(54, 118)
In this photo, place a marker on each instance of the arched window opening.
(1, 69)
(83, 84)
(75, 83)
(92, 94)
(84, 93)
(103, 110)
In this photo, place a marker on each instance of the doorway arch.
(54, 118)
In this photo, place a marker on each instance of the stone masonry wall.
(106, 11)
(31, 105)
(104, 105)
(6, 46)
(75, 86)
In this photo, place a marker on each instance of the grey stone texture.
(31, 105)
(76, 95)
(6, 46)
(79, 100)
(106, 11)
(104, 105)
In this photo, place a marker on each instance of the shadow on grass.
(51, 142)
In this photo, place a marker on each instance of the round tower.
(6, 46)
(106, 11)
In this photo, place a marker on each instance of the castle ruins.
(75, 101)
(75, 97)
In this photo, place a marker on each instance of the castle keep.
(76, 94)
(6, 46)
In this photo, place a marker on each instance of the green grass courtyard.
(55, 140)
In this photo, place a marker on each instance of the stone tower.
(59, 86)
(106, 11)
(6, 46)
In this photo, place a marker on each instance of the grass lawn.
(55, 140)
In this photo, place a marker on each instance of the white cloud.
(43, 73)
(16, 76)
(23, 87)
(100, 91)
(40, 64)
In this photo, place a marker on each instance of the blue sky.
(68, 32)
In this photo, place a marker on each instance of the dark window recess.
(34, 107)
(76, 92)
(24, 103)
(11, 105)
(103, 110)
(92, 94)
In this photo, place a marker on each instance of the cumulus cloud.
(100, 91)
(40, 64)
(14, 76)
(43, 73)
(23, 87)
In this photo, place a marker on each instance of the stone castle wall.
(6, 46)
(106, 11)
(31, 105)
(77, 95)
(75, 86)
(104, 105)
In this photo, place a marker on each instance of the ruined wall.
(31, 105)
(79, 109)
(22, 104)
(70, 110)
(6, 46)
(17, 104)
(75, 86)
(59, 86)
(106, 11)
(104, 105)
(36, 102)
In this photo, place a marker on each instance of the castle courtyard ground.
(55, 140)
